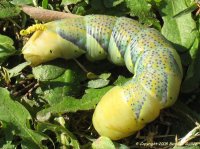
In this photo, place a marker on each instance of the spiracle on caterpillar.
(156, 66)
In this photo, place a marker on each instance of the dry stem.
(46, 15)
(194, 133)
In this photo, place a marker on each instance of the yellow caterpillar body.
(144, 51)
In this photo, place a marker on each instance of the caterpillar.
(156, 66)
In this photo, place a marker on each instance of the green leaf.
(5, 40)
(103, 143)
(101, 81)
(98, 83)
(120, 146)
(141, 9)
(104, 75)
(8, 10)
(138, 8)
(59, 80)
(70, 104)
(181, 31)
(6, 47)
(44, 4)
(16, 118)
(55, 90)
(121, 80)
(22, 2)
(63, 135)
(112, 3)
(8, 145)
(49, 71)
(17, 69)
(187, 10)
(87, 102)
(80, 10)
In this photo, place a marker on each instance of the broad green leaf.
(49, 71)
(101, 81)
(58, 80)
(5, 40)
(22, 2)
(16, 118)
(138, 8)
(8, 10)
(98, 83)
(6, 47)
(103, 143)
(187, 10)
(17, 69)
(141, 9)
(181, 31)
(70, 104)
(44, 4)
(53, 91)
(105, 75)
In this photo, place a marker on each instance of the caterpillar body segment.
(144, 51)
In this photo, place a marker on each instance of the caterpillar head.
(45, 45)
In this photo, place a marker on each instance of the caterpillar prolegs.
(144, 51)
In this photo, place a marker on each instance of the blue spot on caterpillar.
(144, 51)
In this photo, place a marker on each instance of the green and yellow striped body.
(144, 51)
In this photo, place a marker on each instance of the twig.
(27, 87)
(31, 89)
(191, 135)
(81, 66)
(90, 75)
(46, 15)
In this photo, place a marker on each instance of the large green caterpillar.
(155, 63)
